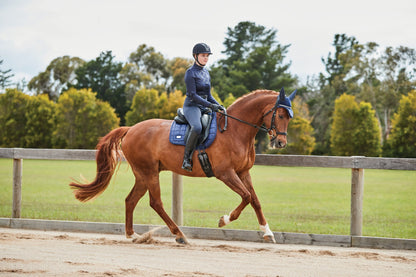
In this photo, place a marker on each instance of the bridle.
(261, 128)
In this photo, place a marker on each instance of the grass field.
(305, 200)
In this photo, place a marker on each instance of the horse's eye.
(280, 116)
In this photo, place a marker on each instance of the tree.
(58, 77)
(362, 70)
(145, 106)
(300, 132)
(380, 78)
(300, 138)
(134, 79)
(13, 105)
(5, 77)
(82, 119)
(229, 100)
(153, 64)
(399, 78)
(254, 59)
(329, 86)
(216, 96)
(334, 66)
(355, 130)
(148, 68)
(41, 122)
(402, 140)
(367, 135)
(177, 68)
(102, 76)
(169, 104)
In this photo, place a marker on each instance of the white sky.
(34, 32)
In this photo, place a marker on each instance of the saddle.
(180, 128)
(179, 132)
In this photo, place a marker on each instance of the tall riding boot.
(189, 150)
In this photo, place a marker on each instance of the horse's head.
(279, 117)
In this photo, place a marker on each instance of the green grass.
(306, 200)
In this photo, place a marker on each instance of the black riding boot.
(189, 150)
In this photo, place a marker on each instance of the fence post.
(357, 191)
(17, 187)
(177, 201)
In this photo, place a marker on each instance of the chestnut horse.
(147, 149)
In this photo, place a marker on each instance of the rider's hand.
(215, 107)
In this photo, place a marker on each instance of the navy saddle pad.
(179, 133)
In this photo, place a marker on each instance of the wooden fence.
(356, 163)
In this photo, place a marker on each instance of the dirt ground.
(39, 253)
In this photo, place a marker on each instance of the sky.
(34, 32)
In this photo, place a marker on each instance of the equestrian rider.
(198, 98)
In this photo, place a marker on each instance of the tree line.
(363, 104)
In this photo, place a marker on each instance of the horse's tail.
(107, 157)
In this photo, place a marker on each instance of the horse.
(147, 149)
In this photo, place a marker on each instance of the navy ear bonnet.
(285, 102)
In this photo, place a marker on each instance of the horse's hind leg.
(131, 201)
(157, 204)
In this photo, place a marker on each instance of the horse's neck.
(251, 110)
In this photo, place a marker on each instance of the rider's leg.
(193, 115)
(189, 150)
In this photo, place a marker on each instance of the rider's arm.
(212, 99)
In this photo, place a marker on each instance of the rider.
(198, 98)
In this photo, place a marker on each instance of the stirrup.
(187, 165)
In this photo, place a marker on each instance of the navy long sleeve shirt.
(198, 86)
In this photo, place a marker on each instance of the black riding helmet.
(200, 48)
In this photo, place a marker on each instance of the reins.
(260, 128)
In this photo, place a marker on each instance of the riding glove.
(216, 107)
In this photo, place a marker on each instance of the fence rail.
(356, 163)
(337, 162)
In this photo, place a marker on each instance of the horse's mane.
(253, 94)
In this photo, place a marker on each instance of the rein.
(261, 128)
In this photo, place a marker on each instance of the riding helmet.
(201, 48)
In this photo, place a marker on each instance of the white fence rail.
(356, 163)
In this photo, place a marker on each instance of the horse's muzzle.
(277, 143)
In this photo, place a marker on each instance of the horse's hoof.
(221, 223)
(224, 220)
(133, 236)
(269, 239)
(181, 240)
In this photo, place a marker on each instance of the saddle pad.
(178, 132)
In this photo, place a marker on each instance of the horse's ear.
(282, 94)
(292, 95)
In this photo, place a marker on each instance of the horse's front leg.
(255, 203)
(232, 180)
